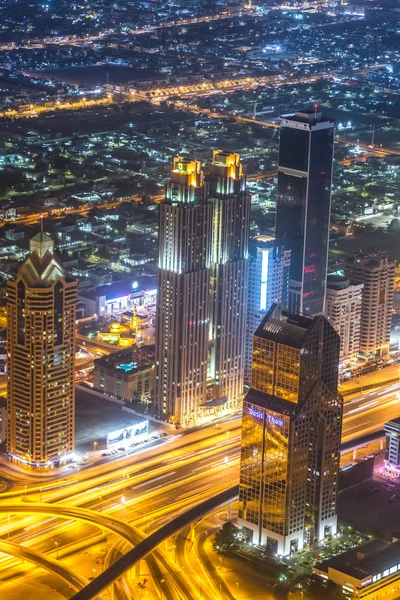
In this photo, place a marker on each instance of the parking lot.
(96, 417)
(372, 508)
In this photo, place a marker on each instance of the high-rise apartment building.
(343, 311)
(41, 305)
(202, 289)
(268, 283)
(183, 302)
(376, 272)
(304, 205)
(229, 275)
(291, 433)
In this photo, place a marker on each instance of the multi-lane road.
(145, 490)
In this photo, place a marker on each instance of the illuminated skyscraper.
(376, 272)
(291, 433)
(229, 276)
(343, 311)
(304, 205)
(268, 283)
(41, 305)
(202, 289)
(183, 303)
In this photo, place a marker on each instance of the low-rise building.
(369, 572)
(128, 374)
(392, 432)
(120, 296)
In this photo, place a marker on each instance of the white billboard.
(127, 433)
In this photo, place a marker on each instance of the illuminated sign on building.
(256, 413)
(127, 433)
(275, 420)
(260, 415)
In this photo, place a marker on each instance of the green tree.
(227, 537)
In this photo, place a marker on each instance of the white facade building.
(376, 272)
(343, 310)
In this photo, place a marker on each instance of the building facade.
(343, 311)
(291, 433)
(127, 374)
(183, 303)
(202, 289)
(376, 273)
(367, 572)
(268, 283)
(230, 204)
(392, 433)
(304, 205)
(41, 306)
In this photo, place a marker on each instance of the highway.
(146, 489)
(369, 412)
(195, 470)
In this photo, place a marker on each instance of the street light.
(56, 545)
(161, 583)
(94, 446)
(174, 548)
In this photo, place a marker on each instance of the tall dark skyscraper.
(291, 433)
(304, 205)
(202, 289)
(229, 275)
(183, 304)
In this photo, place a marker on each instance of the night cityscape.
(200, 300)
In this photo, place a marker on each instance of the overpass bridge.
(147, 545)
(113, 524)
(74, 579)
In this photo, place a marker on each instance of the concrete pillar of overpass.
(355, 454)
(229, 510)
(137, 570)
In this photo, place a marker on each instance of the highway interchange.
(143, 491)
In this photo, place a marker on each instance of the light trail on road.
(163, 480)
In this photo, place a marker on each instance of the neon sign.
(256, 413)
(275, 420)
(260, 415)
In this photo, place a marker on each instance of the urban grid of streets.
(145, 488)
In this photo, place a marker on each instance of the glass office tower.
(268, 283)
(291, 433)
(304, 205)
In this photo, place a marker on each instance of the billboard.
(127, 433)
